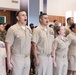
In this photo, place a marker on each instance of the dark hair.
(7, 26)
(50, 25)
(72, 26)
(31, 25)
(54, 20)
(41, 15)
(1, 23)
(17, 13)
(68, 19)
(35, 26)
(58, 29)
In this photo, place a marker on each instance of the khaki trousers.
(21, 65)
(62, 66)
(2, 70)
(45, 65)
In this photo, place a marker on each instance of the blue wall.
(33, 12)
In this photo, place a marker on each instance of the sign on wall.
(2, 19)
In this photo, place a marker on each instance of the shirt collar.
(60, 37)
(68, 26)
(63, 39)
(19, 26)
(43, 27)
(73, 33)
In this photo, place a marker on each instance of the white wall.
(60, 7)
(41, 5)
(9, 5)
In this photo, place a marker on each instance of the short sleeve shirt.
(43, 39)
(61, 46)
(19, 38)
(72, 40)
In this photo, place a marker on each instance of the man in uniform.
(69, 22)
(18, 44)
(56, 25)
(42, 46)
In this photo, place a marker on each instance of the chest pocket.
(43, 35)
(20, 35)
(62, 45)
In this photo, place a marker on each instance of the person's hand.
(36, 61)
(54, 62)
(10, 66)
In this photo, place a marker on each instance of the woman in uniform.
(72, 50)
(2, 58)
(60, 50)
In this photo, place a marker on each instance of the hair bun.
(41, 13)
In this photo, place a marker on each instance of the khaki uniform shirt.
(51, 31)
(20, 39)
(2, 37)
(43, 39)
(72, 40)
(2, 58)
(67, 30)
(61, 46)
